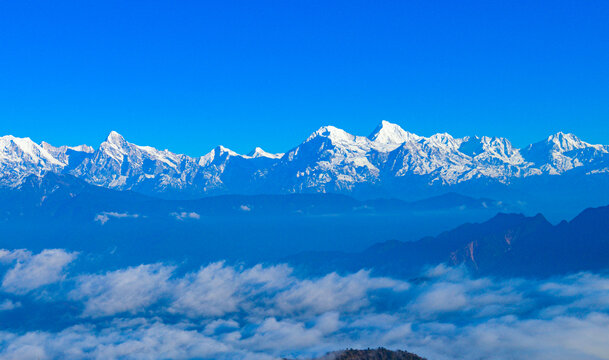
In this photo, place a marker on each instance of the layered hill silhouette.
(506, 245)
(65, 196)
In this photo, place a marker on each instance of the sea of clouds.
(225, 311)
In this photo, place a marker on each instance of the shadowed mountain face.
(370, 354)
(506, 245)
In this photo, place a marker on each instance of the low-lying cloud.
(223, 311)
(30, 272)
(125, 290)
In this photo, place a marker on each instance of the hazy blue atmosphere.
(468, 221)
(269, 73)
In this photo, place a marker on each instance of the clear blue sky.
(189, 75)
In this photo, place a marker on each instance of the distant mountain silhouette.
(64, 195)
(506, 245)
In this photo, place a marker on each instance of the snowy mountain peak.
(24, 149)
(563, 142)
(475, 145)
(493, 153)
(224, 150)
(445, 140)
(562, 152)
(83, 148)
(115, 146)
(441, 137)
(62, 149)
(333, 133)
(20, 157)
(218, 154)
(258, 153)
(115, 138)
(391, 134)
(558, 143)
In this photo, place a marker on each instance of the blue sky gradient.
(194, 74)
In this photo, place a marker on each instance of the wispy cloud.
(185, 215)
(9, 305)
(104, 217)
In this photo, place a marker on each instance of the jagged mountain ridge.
(329, 160)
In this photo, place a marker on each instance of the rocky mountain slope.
(388, 161)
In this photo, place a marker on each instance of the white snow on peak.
(333, 133)
(258, 153)
(16, 149)
(63, 153)
(52, 149)
(115, 138)
(114, 146)
(55, 150)
(391, 134)
(486, 147)
(445, 140)
(119, 149)
(224, 150)
(21, 157)
(330, 159)
(218, 154)
(562, 152)
(562, 142)
(82, 148)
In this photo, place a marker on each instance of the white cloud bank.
(267, 312)
(126, 290)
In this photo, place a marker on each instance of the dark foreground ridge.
(371, 354)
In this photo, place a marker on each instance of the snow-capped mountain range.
(329, 160)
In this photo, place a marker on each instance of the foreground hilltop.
(370, 354)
